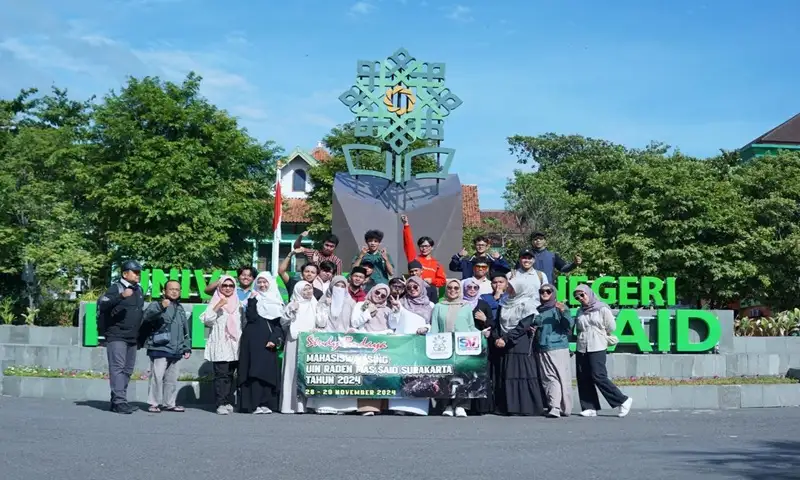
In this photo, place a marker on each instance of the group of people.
(527, 330)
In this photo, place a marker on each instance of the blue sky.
(697, 75)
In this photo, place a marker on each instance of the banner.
(441, 365)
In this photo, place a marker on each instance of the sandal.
(154, 409)
(178, 409)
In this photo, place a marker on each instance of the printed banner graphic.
(441, 365)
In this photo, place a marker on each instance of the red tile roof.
(295, 210)
(470, 206)
(507, 219)
(320, 153)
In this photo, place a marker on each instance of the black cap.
(414, 264)
(526, 253)
(359, 269)
(131, 265)
(499, 271)
(367, 263)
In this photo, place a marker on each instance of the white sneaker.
(448, 412)
(230, 408)
(625, 408)
(588, 413)
(223, 410)
(460, 412)
(554, 413)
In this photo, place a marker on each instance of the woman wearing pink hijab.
(224, 316)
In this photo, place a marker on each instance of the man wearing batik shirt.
(326, 254)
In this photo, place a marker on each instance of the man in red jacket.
(432, 271)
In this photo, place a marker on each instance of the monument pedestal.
(362, 203)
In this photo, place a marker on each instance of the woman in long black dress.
(259, 375)
(485, 315)
(518, 390)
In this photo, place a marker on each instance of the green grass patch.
(41, 372)
(673, 382)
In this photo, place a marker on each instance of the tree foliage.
(321, 198)
(152, 172)
(174, 180)
(727, 229)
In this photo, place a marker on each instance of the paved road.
(58, 440)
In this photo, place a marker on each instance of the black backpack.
(102, 317)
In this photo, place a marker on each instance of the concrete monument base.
(362, 203)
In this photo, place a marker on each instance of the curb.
(706, 397)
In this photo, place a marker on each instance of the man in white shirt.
(530, 274)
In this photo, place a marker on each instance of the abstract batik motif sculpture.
(399, 100)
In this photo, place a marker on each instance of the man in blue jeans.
(121, 309)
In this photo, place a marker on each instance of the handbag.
(162, 338)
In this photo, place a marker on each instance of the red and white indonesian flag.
(276, 219)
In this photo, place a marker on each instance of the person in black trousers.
(596, 325)
(121, 310)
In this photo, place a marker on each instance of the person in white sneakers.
(596, 326)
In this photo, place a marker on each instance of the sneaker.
(368, 414)
(223, 410)
(123, 408)
(588, 413)
(265, 411)
(448, 412)
(229, 407)
(625, 408)
(554, 413)
(460, 412)
(257, 411)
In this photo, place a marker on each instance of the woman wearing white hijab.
(518, 390)
(298, 316)
(411, 315)
(333, 315)
(372, 316)
(259, 375)
(224, 316)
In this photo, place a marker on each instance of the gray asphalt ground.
(59, 440)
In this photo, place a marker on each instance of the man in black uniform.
(122, 308)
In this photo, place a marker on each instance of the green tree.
(321, 198)
(768, 186)
(638, 212)
(43, 235)
(174, 181)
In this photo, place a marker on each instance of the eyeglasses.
(412, 286)
(473, 287)
(424, 245)
(453, 288)
(580, 295)
(545, 290)
(227, 285)
(481, 267)
(380, 294)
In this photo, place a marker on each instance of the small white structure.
(295, 180)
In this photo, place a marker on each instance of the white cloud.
(238, 38)
(246, 112)
(176, 64)
(41, 54)
(460, 13)
(361, 8)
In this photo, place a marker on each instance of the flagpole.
(276, 235)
